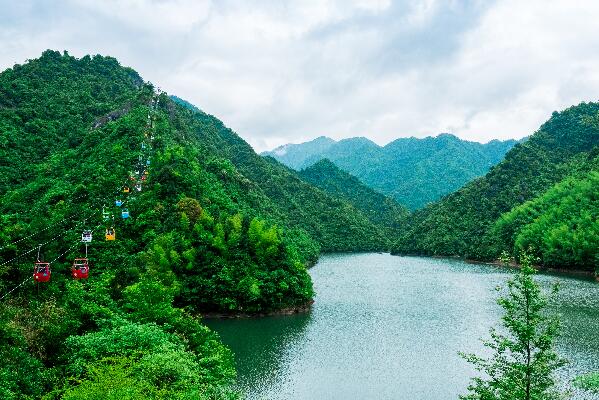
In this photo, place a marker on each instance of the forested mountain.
(413, 171)
(561, 226)
(380, 209)
(215, 227)
(558, 222)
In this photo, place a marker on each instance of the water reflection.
(388, 327)
(260, 345)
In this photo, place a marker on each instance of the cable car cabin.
(110, 234)
(146, 172)
(143, 146)
(105, 215)
(41, 271)
(118, 203)
(126, 189)
(86, 236)
(143, 178)
(132, 178)
(138, 187)
(148, 162)
(125, 213)
(80, 268)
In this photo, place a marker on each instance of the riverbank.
(300, 309)
(498, 263)
(560, 271)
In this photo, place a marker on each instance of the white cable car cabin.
(86, 236)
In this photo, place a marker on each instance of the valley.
(176, 217)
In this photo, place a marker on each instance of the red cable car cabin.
(80, 268)
(41, 271)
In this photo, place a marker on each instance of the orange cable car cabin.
(110, 234)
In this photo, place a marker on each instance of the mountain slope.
(334, 223)
(379, 208)
(460, 224)
(561, 226)
(73, 131)
(214, 228)
(413, 171)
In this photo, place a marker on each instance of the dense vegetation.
(71, 133)
(413, 171)
(215, 228)
(560, 227)
(380, 209)
(218, 228)
(469, 222)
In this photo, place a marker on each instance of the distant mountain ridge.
(411, 170)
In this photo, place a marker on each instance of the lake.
(387, 327)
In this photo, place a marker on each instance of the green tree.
(523, 360)
(588, 382)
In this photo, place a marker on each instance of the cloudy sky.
(289, 71)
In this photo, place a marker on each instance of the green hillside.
(561, 226)
(413, 171)
(215, 227)
(380, 209)
(461, 224)
(280, 193)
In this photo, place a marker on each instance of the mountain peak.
(408, 169)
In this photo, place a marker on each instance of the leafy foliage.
(588, 382)
(523, 359)
(561, 226)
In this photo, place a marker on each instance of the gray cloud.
(287, 71)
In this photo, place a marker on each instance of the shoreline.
(559, 271)
(497, 263)
(300, 309)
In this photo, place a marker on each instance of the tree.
(523, 360)
(588, 382)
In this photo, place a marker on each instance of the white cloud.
(290, 71)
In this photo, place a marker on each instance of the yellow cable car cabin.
(110, 234)
(126, 189)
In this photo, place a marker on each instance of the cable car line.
(42, 230)
(80, 267)
(54, 260)
(15, 288)
(43, 244)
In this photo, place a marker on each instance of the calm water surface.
(386, 327)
